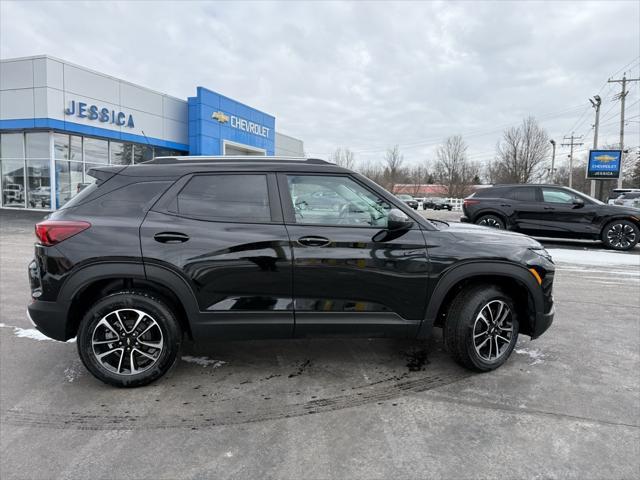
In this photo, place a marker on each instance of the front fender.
(476, 270)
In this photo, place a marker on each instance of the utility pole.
(571, 144)
(596, 101)
(621, 96)
(553, 161)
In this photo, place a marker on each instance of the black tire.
(166, 332)
(620, 235)
(492, 221)
(463, 325)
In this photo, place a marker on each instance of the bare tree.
(418, 176)
(393, 166)
(373, 171)
(521, 154)
(453, 169)
(343, 157)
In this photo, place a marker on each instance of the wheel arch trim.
(477, 270)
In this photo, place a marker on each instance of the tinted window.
(630, 196)
(333, 200)
(552, 195)
(492, 192)
(226, 198)
(523, 194)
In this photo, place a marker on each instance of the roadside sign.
(604, 164)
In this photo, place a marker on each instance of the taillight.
(51, 232)
(469, 201)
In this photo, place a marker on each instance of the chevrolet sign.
(242, 124)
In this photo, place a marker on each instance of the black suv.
(553, 211)
(224, 248)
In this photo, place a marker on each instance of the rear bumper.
(50, 319)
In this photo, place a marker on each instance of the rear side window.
(492, 192)
(523, 194)
(226, 198)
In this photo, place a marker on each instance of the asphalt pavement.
(566, 405)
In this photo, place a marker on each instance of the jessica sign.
(604, 164)
(104, 115)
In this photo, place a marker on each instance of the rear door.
(223, 234)
(528, 210)
(344, 280)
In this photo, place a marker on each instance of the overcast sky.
(362, 75)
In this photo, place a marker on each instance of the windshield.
(405, 197)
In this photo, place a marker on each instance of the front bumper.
(464, 219)
(543, 322)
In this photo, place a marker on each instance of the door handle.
(549, 208)
(505, 205)
(170, 237)
(312, 241)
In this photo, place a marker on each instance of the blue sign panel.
(604, 164)
(215, 120)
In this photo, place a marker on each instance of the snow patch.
(594, 257)
(31, 333)
(204, 361)
(535, 356)
(72, 374)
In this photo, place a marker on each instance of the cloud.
(356, 74)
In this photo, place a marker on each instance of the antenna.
(145, 137)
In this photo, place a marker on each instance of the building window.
(60, 146)
(38, 145)
(142, 153)
(12, 169)
(96, 151)
(75, 148)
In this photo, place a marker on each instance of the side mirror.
(397, 224)
(578, 202)
(398, 220)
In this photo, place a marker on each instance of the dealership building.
(57, 120)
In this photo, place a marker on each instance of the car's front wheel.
(621, 235)
(492, 221)
(481, 328)
(129, 339)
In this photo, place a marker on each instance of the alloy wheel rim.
(490, 222)
(621, 235)
(127, 341)
(493, 330)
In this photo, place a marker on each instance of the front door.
(344, 280)
(224, 235)
(560, 216)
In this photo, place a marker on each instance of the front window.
(335, 200)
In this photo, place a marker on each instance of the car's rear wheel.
(492, 221)
(129, 339)
(621, 235)
(481, 329)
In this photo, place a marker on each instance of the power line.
(622, 97)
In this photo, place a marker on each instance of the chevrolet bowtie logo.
(605, 158)
(221, 117)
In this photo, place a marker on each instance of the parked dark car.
(553, 211)
(409, 200)
(442, 204)
(214, 248)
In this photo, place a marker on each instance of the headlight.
(541, 251)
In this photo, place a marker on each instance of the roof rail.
(232, 158)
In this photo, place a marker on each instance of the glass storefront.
(25, 165)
